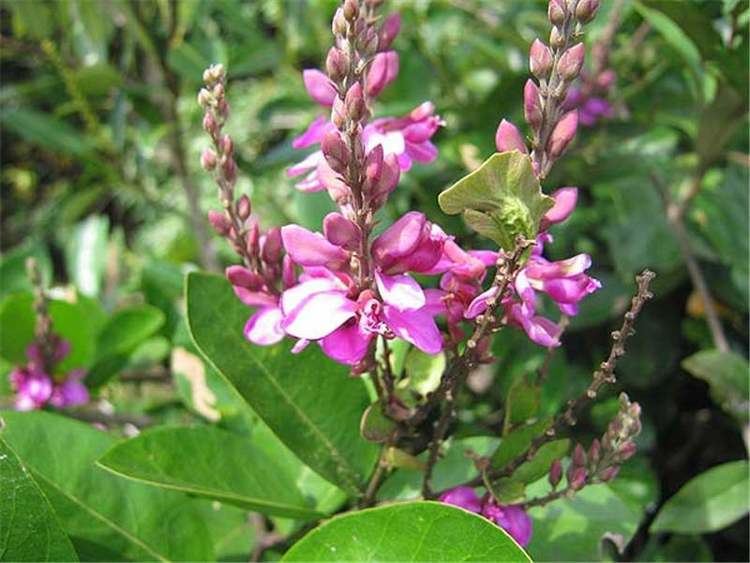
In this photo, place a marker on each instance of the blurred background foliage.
(101, 182)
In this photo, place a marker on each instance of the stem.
(605, 374)
(376, 480)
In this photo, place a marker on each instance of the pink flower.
(511, 518)
(71, 392)
(32, 386)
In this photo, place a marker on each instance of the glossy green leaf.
(411, 531)
(310, 402)
(29, 528)
(538, 466)
(87, 254)
(500, 200)
(517, 442)
(727, 375)
(375, 426)
(209, 462)
(424, 370)
(711, 501)
(106, 517)
(570, 529)
(522, 402)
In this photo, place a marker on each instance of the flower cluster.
(511, 518)
(35, 385)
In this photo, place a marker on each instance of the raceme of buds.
(562, 134)
(540, 59)
(508, 138)
(571, 61)
(532, 110)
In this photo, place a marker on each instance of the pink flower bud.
(219, 222)
(338, 25)
(389, 30)
(209, 124)
(556, 12)
(227, 145)
(389, 177)
(571, 61)
(338, 114)
(341, 231)
(579, 456)
(288, 277)
(369, 41)
(242, 277)
(586, 10)
(354, 102)
(272, 245)
(577, 478)
(540, 59)
(563, 134)
(319, 86)
(244, 207)
(252, 240)
(556, 38)
(382, 72)
(565, 204)
(351, 10)
(204, 97)
(337, 63)
(335, 151)
(208, 159)
(229, 169)
(609, 473)
(373, 168)
(532, 109)
(595, 452)
(508, 138)
(627, 450)
(555, 473)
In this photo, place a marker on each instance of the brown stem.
(604, 375)
(113, 419)
(368, 499)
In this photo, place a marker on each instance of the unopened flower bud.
(389, 30)
(287, 272)
(586, 10)
(508, 138)
(227, 145)
(595, 452)
(351, 10)
(354, 102)
(208, 159)
(338, 114)
(219, 222)
(335, 151)
(209, 124)
(252, 239)
(556, 38)
(229, 169)
(609, 473)
(338, 26)
(627, 450)
(540, 59)
(341, 231)
(244, 208)
(571, 61)
(242, 277)
(555, 473)
(532, 109)
(579, 456)
(214, 73)
(373, 167)
(369, 41)
(218, 91)
(556, 12)
(388, 180)
(563, 134)
(272, 245)
(337, 63)
(577, 478)
(204, 97)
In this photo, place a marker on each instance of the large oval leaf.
(410, 531)
(709, 502)
(209, 462)
(29, 528)
(309, 401)
(106, 517)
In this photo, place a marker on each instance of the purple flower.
(511, 518)
(590, 98)
(71, 392)
(33, 387)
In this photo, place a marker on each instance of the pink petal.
(313, 134)
(399, 239)
(264, 327)
(319, 86)
(565, 203)
(417, 327)
(423, 152)
(310, 162)
(479, 304)
(311, 249)
(319, 315)
(347, 345)
(314, 280)
(254, 298)
(401, 291)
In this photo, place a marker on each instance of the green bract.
(500, 200)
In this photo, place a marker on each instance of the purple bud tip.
(577, 478)
(244, 207)
(389, 30)
(563, 134)
(555, 473)
(508, 138)
(272, 245)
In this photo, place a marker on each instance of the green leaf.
(375, 426)
(726, 374)
(516, 442)
(538, 466)
(424, 371)
(310, 402)
(29, 529)
(411, 531)
(209, 462)
(522, 402)
(500, 200)
(106, 517)
(44, 130)
(87, 254)
(711, 501)
(13, 276)
(570, 529)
